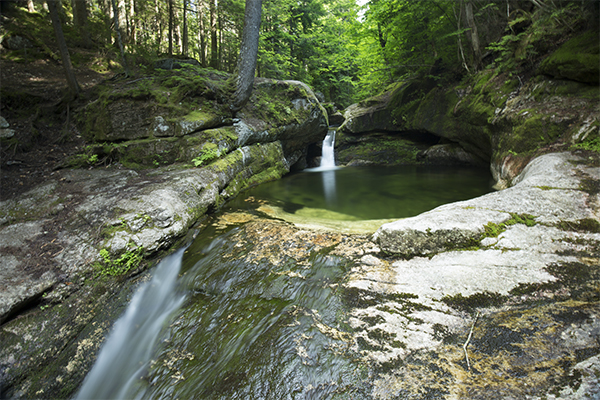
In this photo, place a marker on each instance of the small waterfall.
(328, 155)
(126, 353)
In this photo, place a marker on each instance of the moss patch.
(477, 300)
(578, 59)
(492, 229)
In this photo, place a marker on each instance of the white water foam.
(128, 350)
(327, 154)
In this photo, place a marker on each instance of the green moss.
(193, 95)
(531, 132)
(381, 150)
(491, 229)
(271, 102)
(482, 79)
(577, 59)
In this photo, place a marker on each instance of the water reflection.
(329, 188)
(367, 193)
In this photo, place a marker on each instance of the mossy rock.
(379, 148)
(157, 152)
(164, 104)
(578, 59)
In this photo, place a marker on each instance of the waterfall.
(126, 353)
(328, 155)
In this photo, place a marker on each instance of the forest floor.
(32, 103)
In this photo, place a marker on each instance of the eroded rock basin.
(496, 297)
(503, 303)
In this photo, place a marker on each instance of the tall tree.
(62, 46)
(80, 19)
(473, 34)
(119, 38)
(171, 18)
(214, 51)
(185, 29)
(248, 54)
(201, 33)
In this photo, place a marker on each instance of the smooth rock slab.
(548, 189)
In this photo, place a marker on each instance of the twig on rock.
(468, 340)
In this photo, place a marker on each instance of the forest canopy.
(344, 50)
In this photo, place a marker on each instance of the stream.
(245, 312)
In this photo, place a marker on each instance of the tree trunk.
(459, 36)
(473, 33)
(202, 34)
(185, 29)
(248, 55)
(119, 39)
(214, 50)
(133, 23)
(80, 18)
(170, 27)
(159, 28)
(121, 24)
(62, 46)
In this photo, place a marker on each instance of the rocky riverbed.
(492, 297)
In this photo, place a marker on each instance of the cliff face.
(501, 119)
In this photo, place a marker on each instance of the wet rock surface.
(493, 297)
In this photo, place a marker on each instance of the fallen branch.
(468, 340)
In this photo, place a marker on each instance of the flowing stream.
(130, 346)
(235, 316)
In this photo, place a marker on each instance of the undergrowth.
(127, 262)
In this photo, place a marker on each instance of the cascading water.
(132, 342)
(249, 329)
(327, 167)
(328, 155)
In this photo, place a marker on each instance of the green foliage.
(404, 39)
(591, 143)
(209, 153)
(89, 157)
(312, 41)
(127, 262)
(528, 35)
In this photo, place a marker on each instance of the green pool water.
(366, 193)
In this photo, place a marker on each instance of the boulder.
(503, 122)
(577, 59)
(16, 42)
(336, 119)
(373, 114)
(162, 119)
(463, 224)
(286, 111)
(173, 63)
(449, 154)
